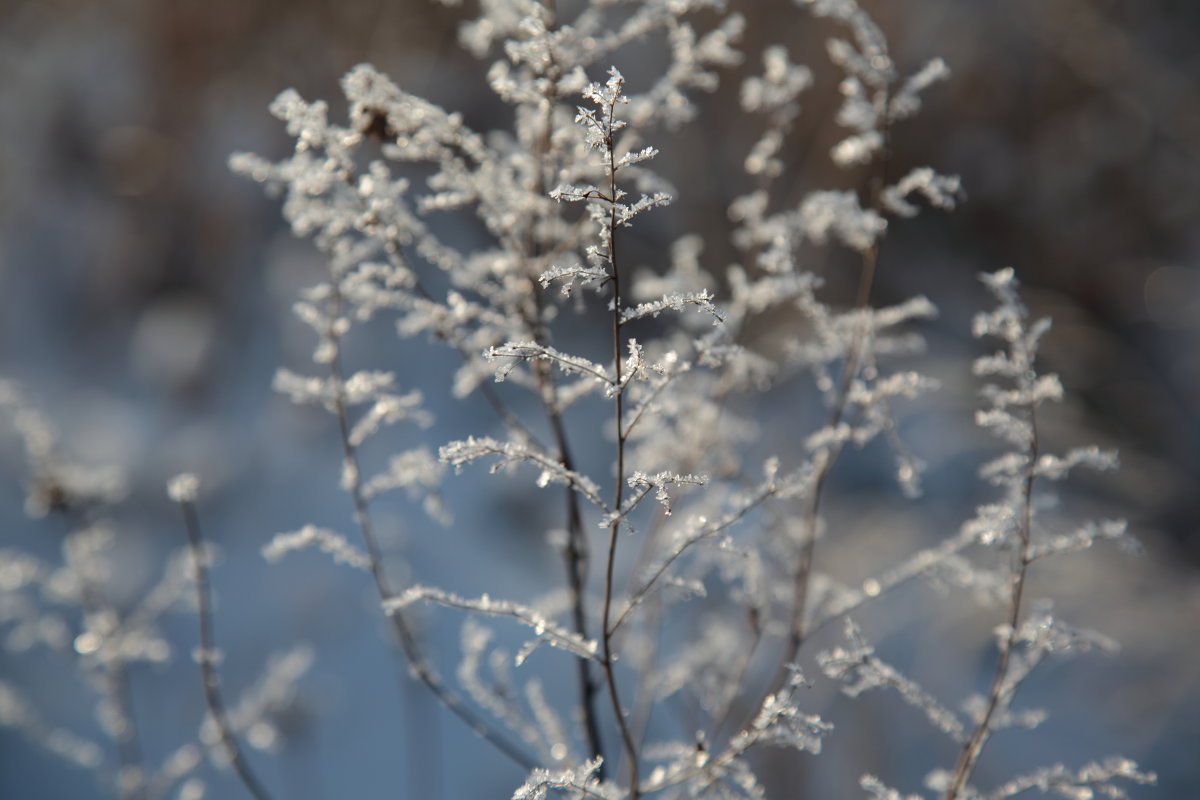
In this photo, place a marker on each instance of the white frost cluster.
(325, 540)
(183, 488)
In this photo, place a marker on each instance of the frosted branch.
(857, 667)
(328, 542)
(473, 449)
(578, 782)
(526, 351)
(674, 302)
(1081, 784)
(548, 631)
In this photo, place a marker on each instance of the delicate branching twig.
(404, 635)
(974, 746)
(826, 458)
(183, 490)
(552, 470)
(1017, 362)
(860, 669)
(608, 129)
(545, 629)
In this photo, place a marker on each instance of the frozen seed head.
(183, 488)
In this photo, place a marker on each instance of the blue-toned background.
(144, 306)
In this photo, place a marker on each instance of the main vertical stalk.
(619, 490)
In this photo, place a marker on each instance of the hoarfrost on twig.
(547, 630)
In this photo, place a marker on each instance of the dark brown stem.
(575, 557)
(974, 746)
(618, 492)
(207, 658)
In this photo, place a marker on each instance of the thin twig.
(207, 657)
(116, 683)
(507, 415)
(574, 560)
(725, 712)
(707, 532)
(129, 749)
(125, 735)
(974, 746)
(798, 631)
(575, 556)
(395, 252)
(618, 492)
(576, 550)
(404, 635)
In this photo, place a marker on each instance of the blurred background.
(144, 307)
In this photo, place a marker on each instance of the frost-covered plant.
(674, 391)
(510, 248)
(78, 609)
